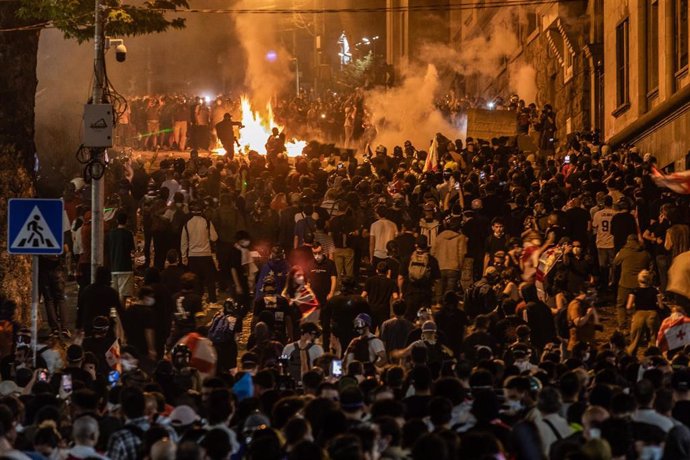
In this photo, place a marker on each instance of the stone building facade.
(647, 83)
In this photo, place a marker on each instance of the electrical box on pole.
(98, 125)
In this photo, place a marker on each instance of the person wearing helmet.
(184, 377)
(224, 326)
(270, 301)
(366, 348)
(437, 353)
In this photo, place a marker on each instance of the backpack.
(476, 299)
(419, 268)
(222, 328)
(295, 360)
(360, 349)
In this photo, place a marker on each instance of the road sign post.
(34, 227)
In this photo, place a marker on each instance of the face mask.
(148, 301)
(651, 453)
(128, 364)
(523, 365)
(514, 405)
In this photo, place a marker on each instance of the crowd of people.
(411, 305)
(183, 122)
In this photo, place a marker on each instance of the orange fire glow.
(256, 131)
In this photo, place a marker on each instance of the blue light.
(271, 56)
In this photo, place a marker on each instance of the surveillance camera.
(121, 53)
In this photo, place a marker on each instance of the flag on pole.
(112, 356)
(679, 182)
(674, 332)
(432, 156)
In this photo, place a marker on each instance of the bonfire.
(256, 131)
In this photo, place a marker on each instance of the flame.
(257, 130)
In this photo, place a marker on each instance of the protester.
(324, 261)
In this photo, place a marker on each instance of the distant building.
(552, 58)
(410, 24)
(647, 85)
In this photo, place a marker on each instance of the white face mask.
(514, 405)
(148, 301)
(128, 364)
(651, 453)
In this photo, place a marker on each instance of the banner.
(112, 356)
(674, 332)
(679, 182)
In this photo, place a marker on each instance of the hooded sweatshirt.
(633, 259)
(450, 249)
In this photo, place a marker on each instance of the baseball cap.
(680, 381)
(183, 416)
(429, 326)
(249, 359)
(351, 398)
(75, 353)
(8, 388)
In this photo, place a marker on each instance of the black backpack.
(360, 349)
(295, 361)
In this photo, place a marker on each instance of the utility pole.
(97, 153)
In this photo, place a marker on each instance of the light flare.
(257, 129)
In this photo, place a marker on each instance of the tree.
(21, 22)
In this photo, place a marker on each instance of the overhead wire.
(376, 9)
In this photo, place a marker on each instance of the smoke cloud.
(523, 81)
(481, 55)
(204, 59)
(408, 112)
(268, 63)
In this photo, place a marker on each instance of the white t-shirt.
(601, 224)
(315, 351)
(376, 346)
(383, 231)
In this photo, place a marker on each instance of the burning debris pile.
(257, 129)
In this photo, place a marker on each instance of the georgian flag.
(432, 156)
(674, 332)
(112, 356)
(679, 182)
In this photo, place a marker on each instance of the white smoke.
(408, 112)
(523, 81)
(268, 63)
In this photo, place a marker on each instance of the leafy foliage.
(75, 18)
(357, 73)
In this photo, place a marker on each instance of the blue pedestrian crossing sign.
(34, 226)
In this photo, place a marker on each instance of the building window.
(622, 64)
(652, 45)
(568, 60)
(680, 33)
